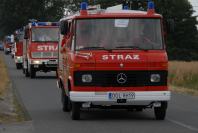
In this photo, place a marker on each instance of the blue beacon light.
(34, 23)
(151, 8)
(83, 6)
(125, 8)
(151, 5)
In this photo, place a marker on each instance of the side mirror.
(26, 35)
(16, 39)
(64, 27)
(170, 25)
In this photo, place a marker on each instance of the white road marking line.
(183, 125)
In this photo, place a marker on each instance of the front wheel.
(160, 112)
(32, 72)
(75, 111)
(66, 103)
(26, 72)
(18, 66)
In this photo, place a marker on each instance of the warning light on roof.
(125, 8)
(151, 5)
(151, 8)
(83, 6)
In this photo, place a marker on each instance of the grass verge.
(183, 77)
(4, 79)
(11, 110)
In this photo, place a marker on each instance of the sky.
(195, 6)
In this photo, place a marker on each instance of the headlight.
(36, 62)
(155, 78)
(19, 58)
(87, 78)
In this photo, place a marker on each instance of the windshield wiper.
(92, 48)
(129, 47)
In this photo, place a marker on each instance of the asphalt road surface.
(42, 100)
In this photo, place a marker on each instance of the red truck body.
(7, 45)
(40, 48)
(18, 49)
(116, 66)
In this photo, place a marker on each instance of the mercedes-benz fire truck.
(18, 48)
(113, 59)
(40, 48)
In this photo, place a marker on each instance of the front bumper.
(103, 97)
(44, 65)
(18, 59)
(8, 49)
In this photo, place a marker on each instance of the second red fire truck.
(40, 48)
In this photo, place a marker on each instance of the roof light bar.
(45, 24)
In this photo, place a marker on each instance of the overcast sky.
(195, 6)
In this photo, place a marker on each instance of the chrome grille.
(36, 55)
(47, 54)
(44, 54)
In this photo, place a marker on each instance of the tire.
(32, 72)
(75, 111)
(18, 66)
(26, 73)
(160, 112)
(23, 70)
(66, 103)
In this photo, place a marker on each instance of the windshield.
(19, 37)
(45, 34)
(119, 34)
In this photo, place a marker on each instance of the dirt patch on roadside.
(10, 109)
(4, 79)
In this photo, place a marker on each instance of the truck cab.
(40, 48)
(18, 48)
(113, 59)
(8, 43)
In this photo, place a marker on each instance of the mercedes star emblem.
(121, 78)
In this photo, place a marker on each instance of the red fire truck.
(18, 48)
(40, 48)
(113, 59)
(8, 42)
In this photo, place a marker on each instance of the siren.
(83, 8)
(125, 7)
(151, 7)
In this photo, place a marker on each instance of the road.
(42, 100)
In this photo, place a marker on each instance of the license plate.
(121, 95)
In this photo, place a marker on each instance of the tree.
(15, 14)
(183, 43)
